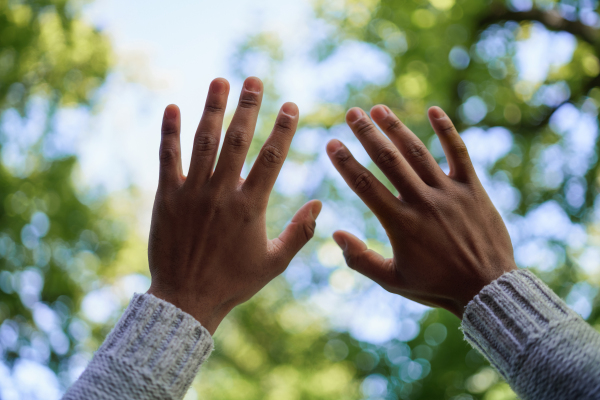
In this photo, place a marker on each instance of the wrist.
(491, 275)
(207, 314)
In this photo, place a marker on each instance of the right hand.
(448, 240)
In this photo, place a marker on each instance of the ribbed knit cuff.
(154, 352)
(510, 312)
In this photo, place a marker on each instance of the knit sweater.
(154, 352)
(543, 349)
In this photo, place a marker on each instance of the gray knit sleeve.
(542, 348)
(154, 352)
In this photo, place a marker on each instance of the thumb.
(368, 262)
(298, 232)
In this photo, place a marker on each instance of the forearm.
(542, 348)
(154, 352)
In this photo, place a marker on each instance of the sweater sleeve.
(542, 348)
(154, 352)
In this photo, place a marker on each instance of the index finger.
(370, 190)
(266, 168)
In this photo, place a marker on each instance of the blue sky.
(167, 52)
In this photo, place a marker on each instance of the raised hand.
(208, 248)
(448, 240)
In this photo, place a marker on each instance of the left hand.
(208, 249)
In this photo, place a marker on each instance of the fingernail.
(340, 242)
(334, 145)
(170, 111)
(252, 85)
(354, 114)
(290, 109)
(437, 112)
(316, 209)
(218, 87)
(379, 112)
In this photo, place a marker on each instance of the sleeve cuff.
(510, 312)
(155, 347)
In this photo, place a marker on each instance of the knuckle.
(447, 129)
(342, 157)
(394, 125)
(416, 151)
(308, 230)
(432, 207)
(461, 151)
(237, 141)
(246, 213)
(350, 259)
(271, 156)
(284, 123)
(363, 127)
(387, 157)
(363, 182)
(167, 156)
(248, 100)
(215, 210)
(205, 142)
(214, 108)
(430, 204)
(169, 130)
(213, 203)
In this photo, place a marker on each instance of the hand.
(208, 249)
(448, 240)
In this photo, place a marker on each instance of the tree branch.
(551, 19)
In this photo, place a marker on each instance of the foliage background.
(519, 78)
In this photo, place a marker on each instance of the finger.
(171, 173)
(411, 147)
(208, 134)
(297, 233)
(384, 154)
(379, 269)
(368, 262)
(239, 134)
(376, 196)
(266, 168)
(456, 152)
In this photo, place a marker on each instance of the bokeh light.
(80, 109)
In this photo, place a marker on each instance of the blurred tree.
(47, 50)
(66, 252)
(55, 242)
(520, 79)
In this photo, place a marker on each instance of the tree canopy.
(519, 78)
(53, 245)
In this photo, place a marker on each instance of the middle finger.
(385, 155)
(239, 134)
(409, 145)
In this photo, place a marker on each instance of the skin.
(448, 239)
(208, 248)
